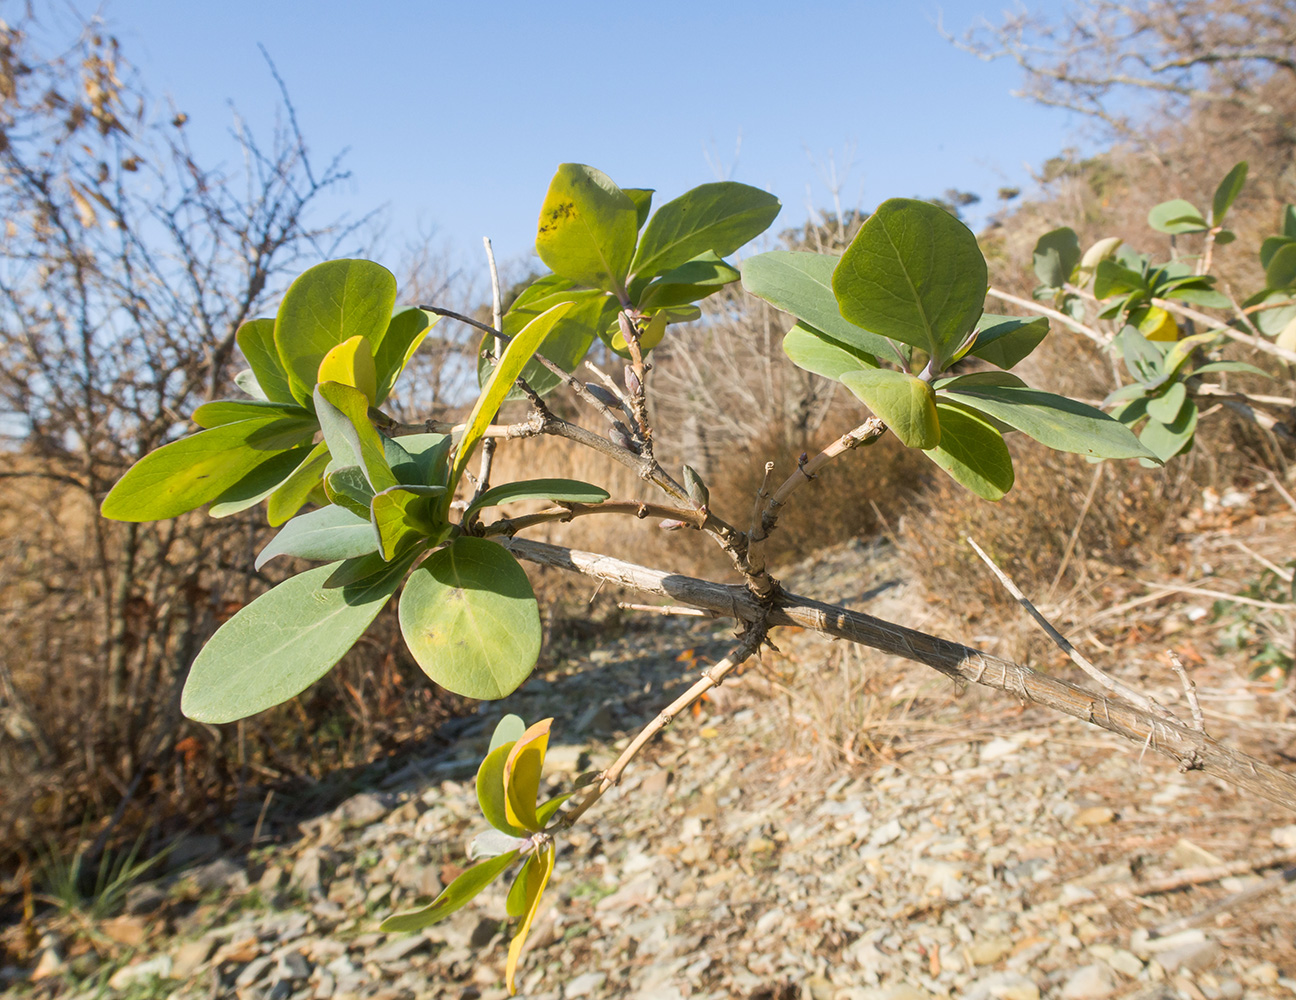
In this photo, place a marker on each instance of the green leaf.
(1142, 359)
(692, 280)
(801, 284)
(281, 643)
(1126, 392)
(1207, 297)
(1274, 319)
(914, 274)
(516, 355)
(1180, 351)
(347, 487)
(490, 790)
(558, 490)
(1176, 217)
(394, 351)
(259, 483)
(1271, 246)
(458, 893)
(402, 516)
(470, 620)
(1056, 255)
(1289, 221)
(1231, 366)
(1007, 340)
(352, 439)
(537, 877)
(516, 903)
(545, 812)
(1229, 188)
(642, 198)
(246, 381)
(228, 411)
(330, 303)
(1060, 423)
(426, 462)
(904, 402)
(587, 228)
(972, 451)
(1112, 278)
(1166, 407)
(293, 493)
(1167, 439)
(509, 729)
(816, 352)
(328, 535)
(185, 474)
(1280, 272)
(719, 217)
(256, 341)
(978, 378)
(566, 344)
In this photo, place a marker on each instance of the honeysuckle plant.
(382, 506)
(1155, 310)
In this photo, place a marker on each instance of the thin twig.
(1219, 595)
(496, 349)
(667, 609)
(1037, 307)
(640, 509)
(1282, 491)
(862, 436)
(1190, 690)
(1283, 574)
(751, 639)
(1109, 683)
(1214, 324)
(1248, 895)
(1211, 873)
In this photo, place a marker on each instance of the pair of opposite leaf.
(508, 787)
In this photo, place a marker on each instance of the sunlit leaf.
(719, 217)
(491, 795)
(536, 880)
(1007, 340)
(293, 493)
(522, 770)
(329, 304)
(1176, 217)
(1228, 190)
(587, 229)
(816, 352)
(351, 363)
(915, 274)
(558, 490)
(904, 402)
(329, 534)
(256, 341)
(185, 474)
(1056, 255)
(509, 729)
(343, 413)
(394, 351)
(259, 483)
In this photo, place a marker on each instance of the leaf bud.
(632, 380)
(671, 524)
(619, 435)
(602, 395)
(697, 490)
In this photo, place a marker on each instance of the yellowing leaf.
(522, 775)
(537, 877)
(351, 363)
(1157, 324)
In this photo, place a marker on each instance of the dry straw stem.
(1192, 750)
(1248, 895)
(1190, 690)
(1095, 674)
(749, 642)
(1210, 322)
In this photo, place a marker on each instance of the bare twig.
(752, 637)
(1190, 690)
(1100, 677)
(667, 609)
(1096, 336)
(1248, 895)
(1282, 491)
(1219, 595)
(862, 436)
(1211, 323)
(497, 348)
(1212, 873)
(567, 511)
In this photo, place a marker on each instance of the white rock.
(154, 968)
(585, 984)
(1090, 982)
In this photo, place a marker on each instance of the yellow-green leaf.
(522, 770)
(352, 363)
(537, 878)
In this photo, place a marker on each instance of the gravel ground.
(962, 847)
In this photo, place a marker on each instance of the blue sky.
(456, 115)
